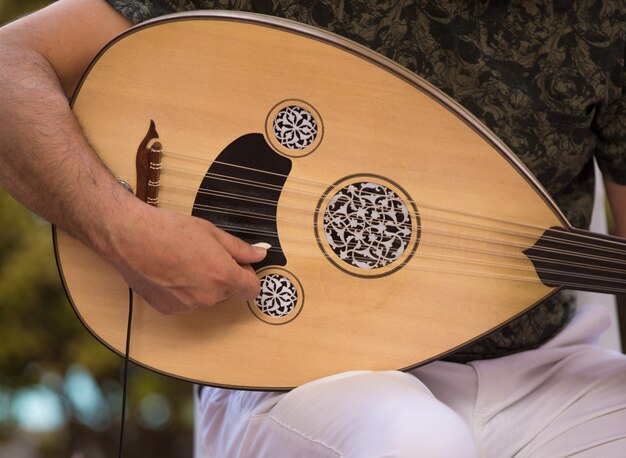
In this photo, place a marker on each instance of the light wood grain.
(206, 82)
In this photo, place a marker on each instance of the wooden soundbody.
(401, 228)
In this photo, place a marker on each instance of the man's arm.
(46, 163)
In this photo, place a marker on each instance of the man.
(547, 78)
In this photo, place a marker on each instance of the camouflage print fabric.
(546, 76)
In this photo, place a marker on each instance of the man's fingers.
(249, 286)
(242, 252)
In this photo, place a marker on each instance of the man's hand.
(179, 263)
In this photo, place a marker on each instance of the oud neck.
(580, 260)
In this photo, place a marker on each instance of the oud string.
(205, 208)
(316, 196)
(490, 275)
(453, 247)
(495, 276)
(296, 180)
(456, 260)
(225, 194)
(406, 240)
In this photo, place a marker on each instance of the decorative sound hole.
(367, 225)
(295, 127)
(278, 296)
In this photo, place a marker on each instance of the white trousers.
(567, 398)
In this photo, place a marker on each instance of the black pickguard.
(240, 193)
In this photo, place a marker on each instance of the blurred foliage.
(12, 9)
(43, 340)
(37, 322)
(42, 335)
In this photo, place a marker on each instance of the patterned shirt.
(547, 77)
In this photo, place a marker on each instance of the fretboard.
(580, 260)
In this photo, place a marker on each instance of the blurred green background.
(60, 389)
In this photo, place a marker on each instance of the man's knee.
(365, 414)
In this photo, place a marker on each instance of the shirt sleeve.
(610, 129)
(142, 10)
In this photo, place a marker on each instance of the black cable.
(125, 379)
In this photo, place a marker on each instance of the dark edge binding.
(131, 359)
(367, 54)
(358, 50)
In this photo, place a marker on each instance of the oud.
(401, 228)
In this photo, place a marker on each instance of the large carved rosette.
(367, 225)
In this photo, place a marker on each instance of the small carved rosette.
(294, 128)
(281, 297)
(367, 225)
